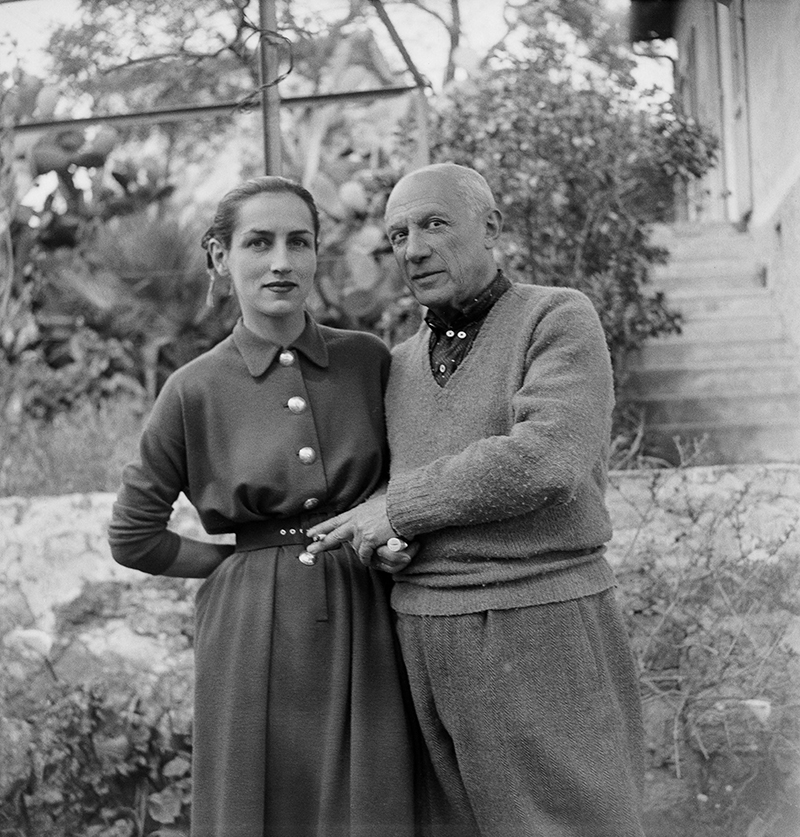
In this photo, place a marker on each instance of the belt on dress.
(287, 531)
(282, 531)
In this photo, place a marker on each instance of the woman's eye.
(300, 243)
(258, 243)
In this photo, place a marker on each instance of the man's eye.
(397, 239)
(435, 223)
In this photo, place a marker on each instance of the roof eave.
(652, 20)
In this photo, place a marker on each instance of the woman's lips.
(280, 286)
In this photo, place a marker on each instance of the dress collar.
(259, 353)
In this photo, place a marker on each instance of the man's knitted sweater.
(501, 474)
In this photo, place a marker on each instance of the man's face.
(443, 247)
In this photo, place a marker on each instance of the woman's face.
(271, 260)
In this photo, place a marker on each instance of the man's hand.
(392, 562)
(366, 526)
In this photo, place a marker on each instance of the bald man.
(499, 419)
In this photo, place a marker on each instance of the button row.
(451, 333)
(307, 455)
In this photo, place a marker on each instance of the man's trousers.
(530, 718)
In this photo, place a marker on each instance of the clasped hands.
(368, 528)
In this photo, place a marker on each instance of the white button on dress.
(307, 455)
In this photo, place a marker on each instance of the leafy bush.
(579, 167)
(59, 376)
(708, 589)
(101, 769)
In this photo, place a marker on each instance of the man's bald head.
(467, 186)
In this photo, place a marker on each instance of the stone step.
(741, 328)
(678, 351)
(726, 379)
(722, 302)
(695, 229)
(752, 408)
(708, 274)
(704, 241)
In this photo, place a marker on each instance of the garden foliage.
(581, 165)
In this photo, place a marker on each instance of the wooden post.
(270, 100)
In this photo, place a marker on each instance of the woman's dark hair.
(227, 209)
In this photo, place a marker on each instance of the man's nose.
(416, 247)
(279, 262)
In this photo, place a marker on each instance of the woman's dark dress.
(300, 704)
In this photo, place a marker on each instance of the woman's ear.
(218, 256)
(219, 280)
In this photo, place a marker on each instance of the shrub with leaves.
(102, 768)
(580, 164)
(708, 582)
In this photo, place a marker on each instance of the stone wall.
(689, 545)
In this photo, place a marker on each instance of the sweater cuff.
(405, 508)
(146, 556)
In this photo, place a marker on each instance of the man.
(499, 412)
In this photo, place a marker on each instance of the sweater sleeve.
(138, 533)
(560, 431)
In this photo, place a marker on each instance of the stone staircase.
(732, 377)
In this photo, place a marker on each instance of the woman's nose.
(280, 262)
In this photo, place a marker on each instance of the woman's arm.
(197, 559)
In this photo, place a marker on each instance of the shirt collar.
(258, 353)
(476, 309)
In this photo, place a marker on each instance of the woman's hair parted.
(228, 208)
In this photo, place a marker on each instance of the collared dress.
(301, 723)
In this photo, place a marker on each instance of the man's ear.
(494, 226)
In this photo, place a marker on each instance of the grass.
(80, 451)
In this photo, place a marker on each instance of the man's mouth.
(418, 276)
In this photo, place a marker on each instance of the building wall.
(697, 87)
(772, 35)
(780, 244)
(772, 29)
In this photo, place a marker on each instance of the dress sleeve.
(560, 431)
(138, 533)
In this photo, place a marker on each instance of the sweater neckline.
(480, 339)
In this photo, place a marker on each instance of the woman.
(300, 720)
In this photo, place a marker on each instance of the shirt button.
(311, 503)
(307, 558)
(307, 455)
(462, 334)
(442, 367)
(286, 358)
(296, 404)
(450, 333)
